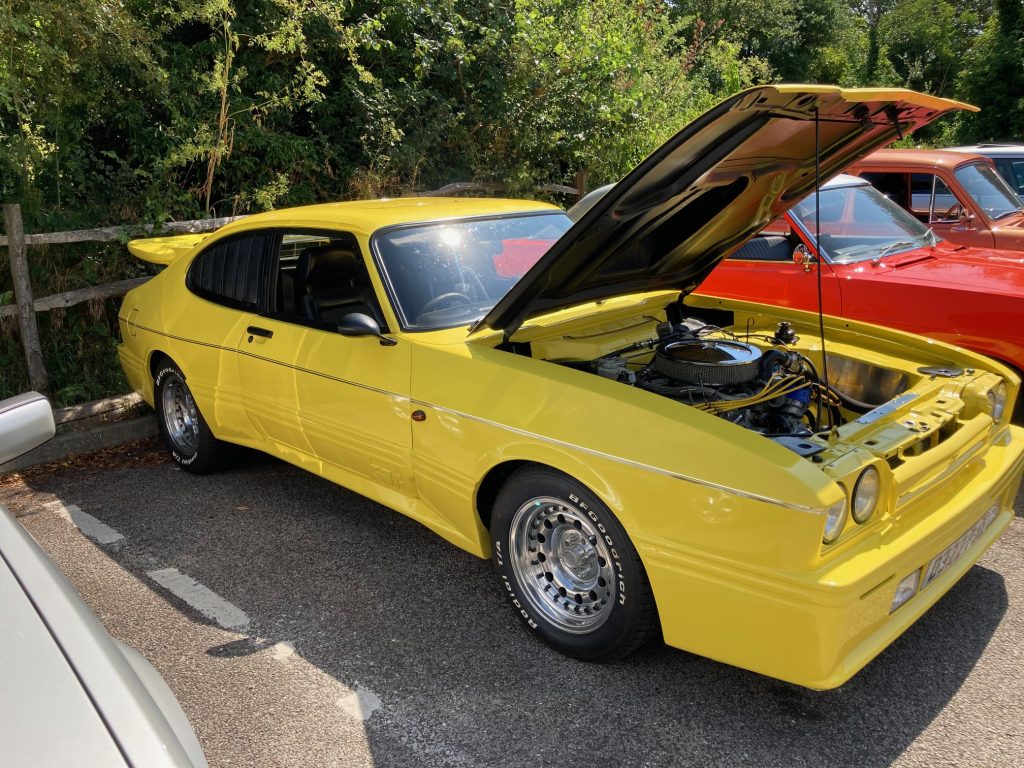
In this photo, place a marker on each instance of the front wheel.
(568, 568)
(182, 427)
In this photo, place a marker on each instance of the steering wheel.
(953, 213)
(440, 301)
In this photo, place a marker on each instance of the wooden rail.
(70, 298)
(106, 234)
(26, 306)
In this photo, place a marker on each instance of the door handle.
(255, 330)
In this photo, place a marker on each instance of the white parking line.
(360, 703)
(95, 529)
(283, 650)
(203, 599)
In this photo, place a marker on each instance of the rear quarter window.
(234, 272)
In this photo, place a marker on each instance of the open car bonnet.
(707, 189)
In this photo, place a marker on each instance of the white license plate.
(958, 548)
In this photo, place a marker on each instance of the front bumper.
(818, 629)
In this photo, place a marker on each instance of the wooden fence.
(26, 307)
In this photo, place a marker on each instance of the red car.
(881, 265)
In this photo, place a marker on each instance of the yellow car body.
(728, 524)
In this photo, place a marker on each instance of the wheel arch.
(638, 617)
(490, 486)
(570, 466)
(156, 357)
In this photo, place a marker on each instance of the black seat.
(765, 248)
(331, 282)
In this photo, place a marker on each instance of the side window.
(921, 192)
(320, 278)
(945, 206)
(892, 185)
(931, 198)
(233, 272)
(1013, 172)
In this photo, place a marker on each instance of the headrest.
(327, 264)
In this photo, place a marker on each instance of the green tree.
(800, 40)
(993, 78)
(533, 91)
(926, 41)
(70, 74)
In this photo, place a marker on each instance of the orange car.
(960, 196)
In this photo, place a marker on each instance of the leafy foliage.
(145, 110)
(994, 78)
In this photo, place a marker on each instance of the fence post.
(580, 182)
(23, 294)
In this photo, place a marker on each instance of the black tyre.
(568, 568)
(182, 426)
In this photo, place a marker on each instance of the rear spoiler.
(164, 250)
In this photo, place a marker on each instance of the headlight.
(835, 518)
(865, 494)
(997, 400)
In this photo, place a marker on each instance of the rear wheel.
(568, 568)
(182, 427)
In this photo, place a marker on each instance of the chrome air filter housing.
(709, 362)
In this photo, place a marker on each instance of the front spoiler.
(820, 628)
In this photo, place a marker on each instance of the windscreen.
(989, 190)
(859, 223)
(451, 273)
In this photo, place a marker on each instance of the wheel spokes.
(563, 564)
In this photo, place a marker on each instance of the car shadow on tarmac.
(375, 599)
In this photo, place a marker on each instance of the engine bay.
(769, 387)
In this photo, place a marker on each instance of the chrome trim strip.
(628, 462)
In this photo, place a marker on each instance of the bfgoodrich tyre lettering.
(568, 567)
(182, 426)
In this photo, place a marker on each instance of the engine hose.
(768, 361)
(814, 370)
(817, 380)
(853, 405)
(647, 344)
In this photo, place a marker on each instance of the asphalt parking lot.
(361, 639)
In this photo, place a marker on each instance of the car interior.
(774, 243)
(323, 279)
(425, 278)
(765, 248)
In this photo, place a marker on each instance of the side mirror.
(802, 256)
(26, 422)
(359, 324)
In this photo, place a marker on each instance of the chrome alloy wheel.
(563, 564)
(181, 416)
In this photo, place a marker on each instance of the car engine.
(773, 391)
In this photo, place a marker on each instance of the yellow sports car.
(552, 396)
